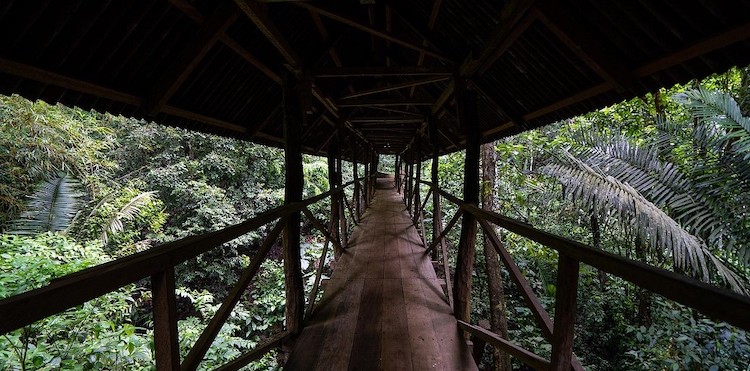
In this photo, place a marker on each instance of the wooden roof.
(380, 66)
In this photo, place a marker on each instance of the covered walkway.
(383, 307)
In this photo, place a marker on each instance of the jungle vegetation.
(663, 179)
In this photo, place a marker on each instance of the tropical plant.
(600, 192)
(52, 207)
(128, 212)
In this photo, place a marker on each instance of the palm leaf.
(600, 192)
(51, 208)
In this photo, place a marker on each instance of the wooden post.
(565, 313)
(397, 174)
(355, 175)
(410, 183)
(344, 231)
(166, 341)
(417, 177)
(366, 181)
(293, 121)
(333, 151)
(437, 217)
(374, 172)
(467, 115)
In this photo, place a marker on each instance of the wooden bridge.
(383, 307)
(415, 79)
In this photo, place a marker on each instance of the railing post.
(166, 341)
(467, 114)
(417, 186)
(293, 120)
(355, 175)
(333, 182)
(397, 174)
(409, 184)
(565, 312)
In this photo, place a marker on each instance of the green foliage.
(97, 335)
(51, 208)
(685, 341)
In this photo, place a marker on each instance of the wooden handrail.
(713, 301)
(506, 346)
(75, 289)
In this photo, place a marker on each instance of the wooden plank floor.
(383, 308)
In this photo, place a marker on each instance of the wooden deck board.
(383, 308)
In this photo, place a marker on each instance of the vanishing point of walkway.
(383, 308)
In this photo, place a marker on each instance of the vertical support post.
(293, 121)
(374, 172)
(366, 182)
(355, 175)
(417, 177)
(344, 231)
(409, 189)
(565, 313)
(437, 214)
(166, 342)
(468, 119)
(333, 151)
(397, 174)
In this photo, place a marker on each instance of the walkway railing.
(159, 264)
(712, 301)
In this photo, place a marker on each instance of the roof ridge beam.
(380, 71)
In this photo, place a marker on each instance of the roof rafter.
(380, 71)
(385, 102)
(580, 42)
(258, 14)
(737, 34)
(513, 22)
(370, 29)
(190, 57)
(403, 85)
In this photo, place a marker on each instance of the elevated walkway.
(383, 307)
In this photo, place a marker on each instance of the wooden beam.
(704, 46)
(673, 286)
(293, 122)
(51, 78)
(385, 102)
(206, 338)
(250, 58)
(403, 85)
(509, 28)
(565, 312)
(258, 14)
(255, 354)
(370, 30)
(380, 71)
(196, 16)
(469, 120)
(701, 47)
(166, 342)
(189, 58)
(582, 44)
(506, 346)
(386, 119)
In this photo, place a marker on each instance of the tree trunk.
(498, 321)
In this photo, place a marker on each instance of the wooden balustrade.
(158, 263)
(679, 288)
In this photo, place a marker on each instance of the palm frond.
(52, 206)
(600, 192)
(129, 211)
